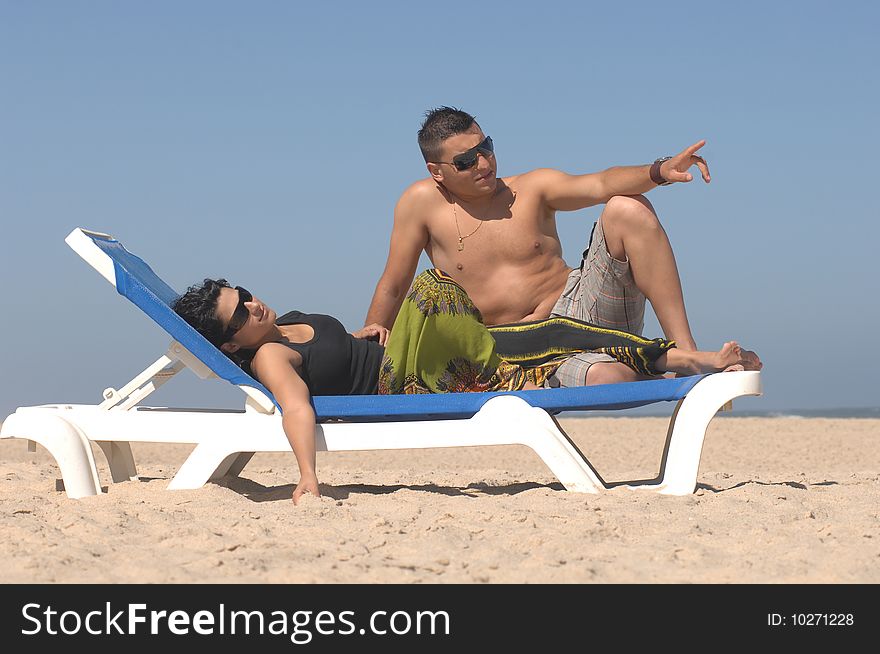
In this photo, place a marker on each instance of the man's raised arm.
(565, 192)
(409, 236)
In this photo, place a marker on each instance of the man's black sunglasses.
(239, 316)
(468, 159)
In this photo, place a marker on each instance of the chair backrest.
(136, 280)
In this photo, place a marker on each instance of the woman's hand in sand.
(374, 332)
(307, 484)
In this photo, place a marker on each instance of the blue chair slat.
(464, 405)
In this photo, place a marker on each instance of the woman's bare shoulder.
(275, 357)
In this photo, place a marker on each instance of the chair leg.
(688, 425)
(536, 429)
(120, 459)
(232, 465)
(202, 464)
(65, 442)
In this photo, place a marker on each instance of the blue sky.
(268, 142)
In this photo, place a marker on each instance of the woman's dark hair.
(439, 125)
(198, 307)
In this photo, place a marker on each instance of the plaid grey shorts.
(602, 291)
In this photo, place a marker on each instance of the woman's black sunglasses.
(239, 316)
(468, 159)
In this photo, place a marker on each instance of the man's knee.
(629, 212)
(611, 372)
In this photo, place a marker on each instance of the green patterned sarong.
(532, 343)
(439, 344)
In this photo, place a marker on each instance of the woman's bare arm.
(274, 366)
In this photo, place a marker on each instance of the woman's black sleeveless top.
(334, 361)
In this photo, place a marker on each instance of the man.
(497, 237)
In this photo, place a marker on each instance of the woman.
(438, 345)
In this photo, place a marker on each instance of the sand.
(779, 500)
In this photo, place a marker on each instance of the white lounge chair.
(226, 440)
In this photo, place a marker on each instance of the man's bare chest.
(457, 234)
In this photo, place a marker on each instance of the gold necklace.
(457, 229)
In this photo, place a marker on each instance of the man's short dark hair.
(439, 125)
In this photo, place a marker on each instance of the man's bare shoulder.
(417, 203)
(420, 193)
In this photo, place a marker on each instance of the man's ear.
(229, 348)
(436, 172)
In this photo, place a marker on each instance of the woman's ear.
(229, 348)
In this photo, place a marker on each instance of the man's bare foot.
(731, 357)
(728, 357)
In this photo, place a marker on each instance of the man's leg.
(611, 372)
(601, 292)
(633, 233)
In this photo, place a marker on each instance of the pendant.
(460, 244)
